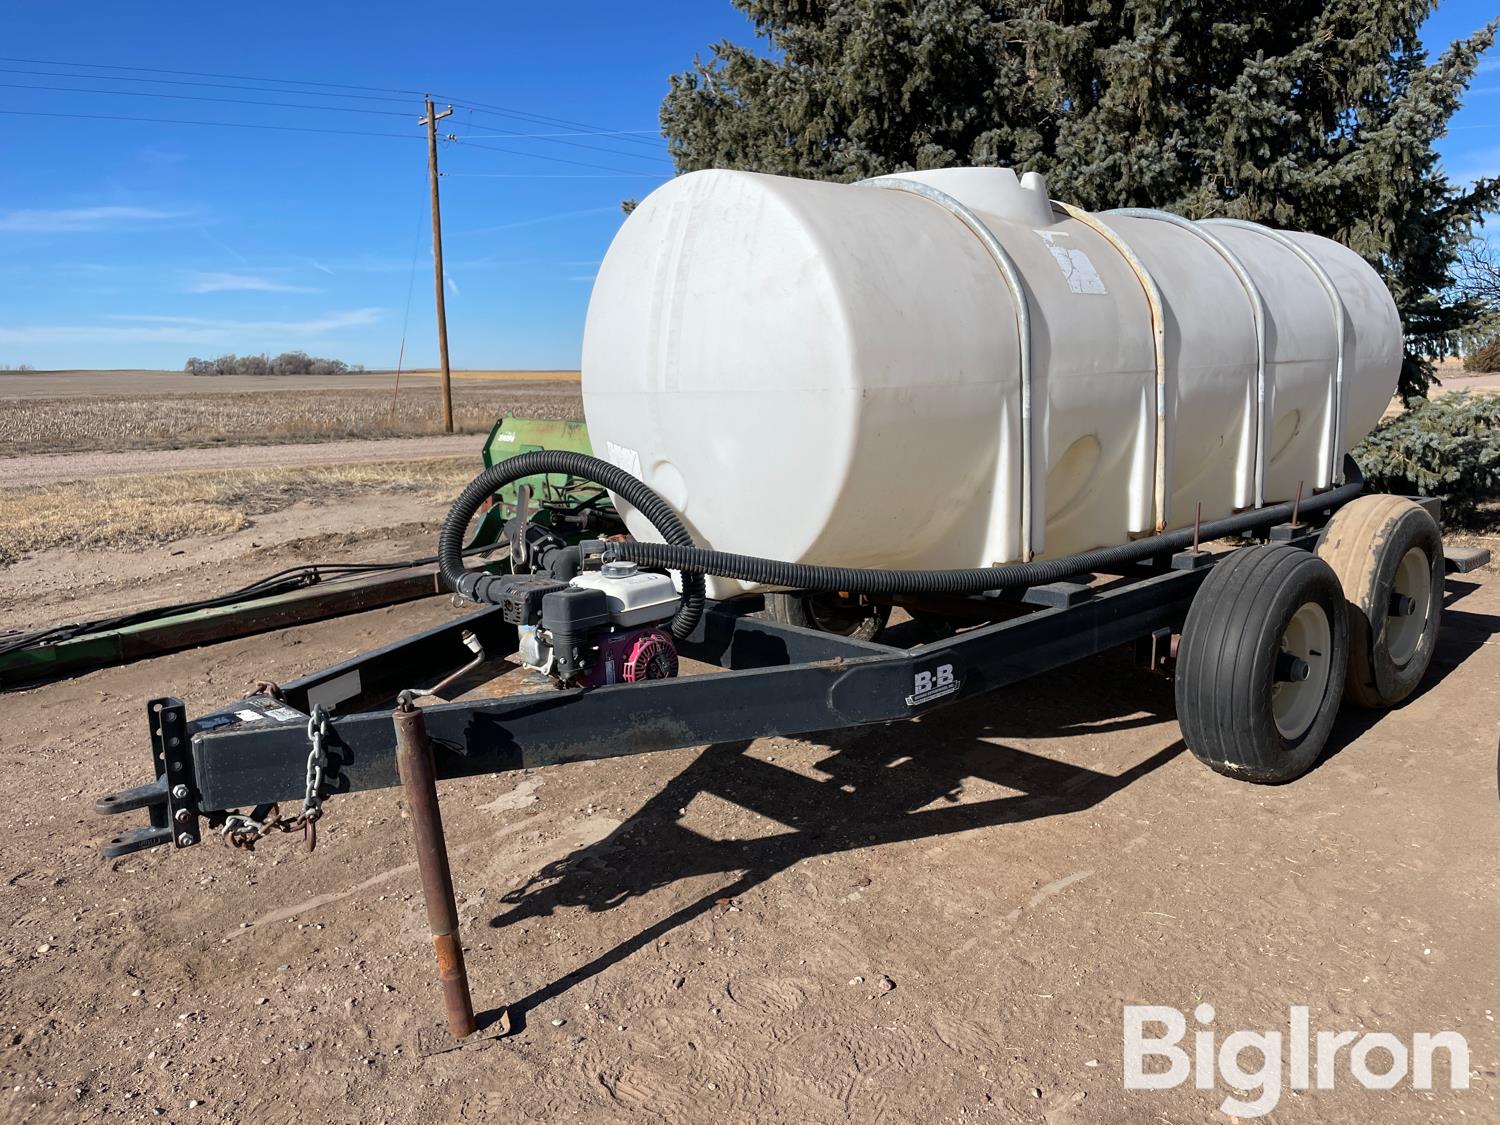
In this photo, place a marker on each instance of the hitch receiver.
(172, 799)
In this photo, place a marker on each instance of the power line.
(202, 85)
(206, 74)
(218, 124)
(585, 133)
(371, 93)
(504, 111)
(202, 98)
(537, 118)
(507, 134)
(543, 156)
(330, 132)
(556, 175)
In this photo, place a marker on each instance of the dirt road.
(51, 468)
(934, 921)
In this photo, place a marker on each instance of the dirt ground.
(77, 583)
(48, 468)
(933, 921)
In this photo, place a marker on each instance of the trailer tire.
(827, 613)
(1388, 555)
(1262, 618)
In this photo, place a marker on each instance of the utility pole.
(431, 121)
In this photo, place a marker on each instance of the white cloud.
(81, 219)
(242, 283)
(187, 329)
(452, 285)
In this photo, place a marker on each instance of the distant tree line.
(287, 363)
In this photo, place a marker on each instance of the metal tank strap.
(1159, 340)
(1336, 302)
(1257, 315)
(1012, 277)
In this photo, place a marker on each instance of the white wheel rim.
(1413, 580)
(1309, 638)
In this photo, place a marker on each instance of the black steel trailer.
(1224, 617)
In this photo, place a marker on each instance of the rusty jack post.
(419, 780)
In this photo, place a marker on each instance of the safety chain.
(242, 831)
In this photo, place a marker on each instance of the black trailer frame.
(777, 679)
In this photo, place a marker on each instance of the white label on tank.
(1075, 265)
(627, 459)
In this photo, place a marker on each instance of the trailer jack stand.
(419, 780)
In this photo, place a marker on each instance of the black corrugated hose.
(679, 553)
(474, 584)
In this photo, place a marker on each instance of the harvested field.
(59, 425)
(126, 383)
(146, 510)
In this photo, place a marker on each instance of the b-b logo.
(933, 683)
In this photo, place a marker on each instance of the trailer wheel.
(1388, 555)
(1261, 665)
(828, 613)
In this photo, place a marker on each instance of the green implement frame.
(552, 493)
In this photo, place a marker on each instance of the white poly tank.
(948, 369)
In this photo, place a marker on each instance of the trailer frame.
(776, 680)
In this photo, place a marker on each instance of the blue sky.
(132, 244)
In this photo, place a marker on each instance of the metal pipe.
(419, 780)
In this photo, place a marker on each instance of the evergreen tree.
(1317, 116)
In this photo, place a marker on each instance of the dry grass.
(61, 425)
(132, 512)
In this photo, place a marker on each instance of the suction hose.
(833, 579)
(474, 584)
(679, 553)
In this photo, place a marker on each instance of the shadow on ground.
(892, 783)
(878, 785)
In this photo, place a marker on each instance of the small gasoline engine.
(583, 621)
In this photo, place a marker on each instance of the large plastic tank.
(948, 369)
